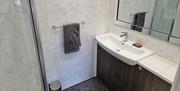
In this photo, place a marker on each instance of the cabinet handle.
(109, 66)
(140, 68)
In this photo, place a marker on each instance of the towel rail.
(55, 27)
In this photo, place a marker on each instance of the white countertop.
(161, 67)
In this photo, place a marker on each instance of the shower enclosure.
(21, 60)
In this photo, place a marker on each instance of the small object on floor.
(55, 86)
(90, 85)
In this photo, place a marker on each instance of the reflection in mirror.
(158, 18)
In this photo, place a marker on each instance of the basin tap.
(125, 35)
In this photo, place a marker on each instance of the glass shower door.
(19, 67)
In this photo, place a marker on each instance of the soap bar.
(138, 45)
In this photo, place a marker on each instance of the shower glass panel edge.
(38, 44)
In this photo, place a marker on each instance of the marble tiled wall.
(162, 48)
(19, 69)
(73, 68)
(76, 67)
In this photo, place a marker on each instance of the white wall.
(162, 48)
(98, 15)
(176, 32)
(176, 87)
(73, 68)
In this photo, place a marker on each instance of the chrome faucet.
(125, 35)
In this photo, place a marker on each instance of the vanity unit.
(123, 67)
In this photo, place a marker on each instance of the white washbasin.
(123, 51)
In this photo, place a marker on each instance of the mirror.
(158, 18)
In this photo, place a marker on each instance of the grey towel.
(71, 37)
(139, 20)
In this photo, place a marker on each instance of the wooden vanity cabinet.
(115, 74)
(147, 81)
(119, 76)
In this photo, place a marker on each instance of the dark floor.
(90, 85)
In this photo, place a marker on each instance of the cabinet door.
(117, 75)
(146, 81)
(103, 66)
(142, 80)
(123, 75)
(160, 85)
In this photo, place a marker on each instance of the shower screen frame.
(38, 45)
